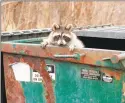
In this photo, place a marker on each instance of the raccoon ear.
(69, 27)
(55, 26)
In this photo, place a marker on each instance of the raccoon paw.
(71, 48)
(44, 44)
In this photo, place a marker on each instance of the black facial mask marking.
(67, 39)
(56, 38)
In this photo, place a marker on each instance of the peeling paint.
(115, 73)
(69, 83)
(40, 66)
(98, 63)
(91, 55)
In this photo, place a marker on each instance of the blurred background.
(35, 15)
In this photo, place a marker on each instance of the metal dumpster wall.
(68, 86)
(69, 83)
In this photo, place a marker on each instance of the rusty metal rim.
(92, 56)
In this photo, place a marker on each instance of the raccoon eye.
(67, 39)
(56, 38)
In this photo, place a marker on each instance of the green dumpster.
(56, 75)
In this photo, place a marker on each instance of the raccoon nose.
(61, 44)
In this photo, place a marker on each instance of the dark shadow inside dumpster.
(103, 43)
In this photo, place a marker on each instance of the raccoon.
(64, 37)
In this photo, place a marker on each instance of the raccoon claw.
(71, 48)
(43, 45)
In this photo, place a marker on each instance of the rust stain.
(39, 65)
(6, 47)
(47, 83)
(91, 55)
(14, 90)
(11, 60)
(22, 60)
(117, 74)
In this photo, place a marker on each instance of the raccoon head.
(61, 34)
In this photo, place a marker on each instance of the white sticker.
(21, 71)
(51, 70)
(52, 75)
(108, 79)
(36, 77)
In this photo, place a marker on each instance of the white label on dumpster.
(37, 78)
(107, 78)
(21, 71)
(51, 70)
(96, 75)
(90, 74)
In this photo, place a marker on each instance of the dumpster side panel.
(71, 87)
(14, 91)
(22, 90)
(73, 83)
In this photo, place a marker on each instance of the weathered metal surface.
(103, 31)
(92, 56)
(72, 88)
(14, 92)
(70, 85)
(75, 56)
(38, 65)
(25, 34)
(88, 77)
(113, 32)
(116, 58)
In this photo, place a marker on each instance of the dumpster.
(56, 75)
(25, 34)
